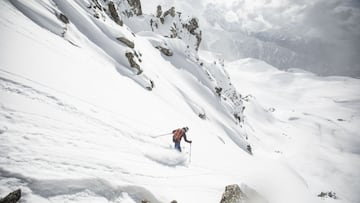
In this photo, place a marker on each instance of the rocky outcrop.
(249, 149)
(202, 116)
(97, 4)
(152, 85)
(170, 12)
(158, 11)
(165, 51)
(328, 195)
(126, 42)
(233, 194)
(12, 197)
(131, 58)
(63, 18)
(218, 91)
(171, 24)
(192, 27)
(135, 7)
(114, 14)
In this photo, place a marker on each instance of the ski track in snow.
(20, 129)
(46, 130)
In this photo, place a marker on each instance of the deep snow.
(77, 124)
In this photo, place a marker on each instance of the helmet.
(185, 129)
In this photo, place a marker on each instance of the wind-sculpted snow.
(211, 74)
(92, 20)
(103, 35)
(39, 11)
(86, 189)
(72, 129)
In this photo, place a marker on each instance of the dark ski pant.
(177, 146)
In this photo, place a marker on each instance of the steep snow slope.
(311, 122)
(59, 98)
(77, 124)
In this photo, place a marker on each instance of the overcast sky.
(333, 23)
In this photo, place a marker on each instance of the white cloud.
(329, 29)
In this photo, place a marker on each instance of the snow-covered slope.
(310, 122)
(80, 122)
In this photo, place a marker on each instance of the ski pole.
(190, 154)
(160, 135)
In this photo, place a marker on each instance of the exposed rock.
(248, 147)
(126, 42)
(135, 6)
(165, 51)
(114, 14)
(192, 26)
(198, 40)
(218, 91)
(328, 195)
(176, 26)
(170, 12)
(97, 4)
(152, 85)
(202, 116)
(174, 32)
(158, 11)
(132, 62)
(237, 117)
(145, 201)
(233, 194)
(174, 201)
(243, 109)
(63, 18)
(12, 197)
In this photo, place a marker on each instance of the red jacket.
(178, 134)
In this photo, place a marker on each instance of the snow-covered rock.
(12, 197)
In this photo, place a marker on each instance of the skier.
(177, 135)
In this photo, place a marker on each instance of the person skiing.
(178, 134)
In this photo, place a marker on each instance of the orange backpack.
(177, 135)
